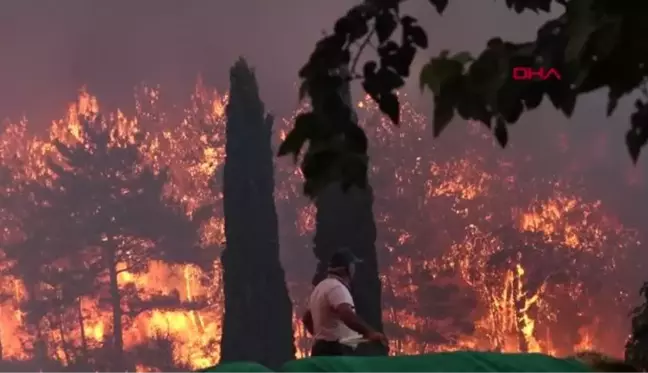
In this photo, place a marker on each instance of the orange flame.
(437, 218)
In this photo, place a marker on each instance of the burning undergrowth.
(473, 254)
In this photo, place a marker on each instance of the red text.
(527, 73)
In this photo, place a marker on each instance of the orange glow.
(439, 221)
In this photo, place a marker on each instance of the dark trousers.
(329, 348)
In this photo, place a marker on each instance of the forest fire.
(473, 255)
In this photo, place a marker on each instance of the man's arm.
(307, 319)
(340, 300)
(347, 314)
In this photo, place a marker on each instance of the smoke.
(50, 48)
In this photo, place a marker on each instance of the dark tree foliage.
(257, 323)
(593, 44)
(102, 213)
(158, 352)
(112, 217)
(29, 205)
(637, 345)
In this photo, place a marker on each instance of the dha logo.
(527, 73)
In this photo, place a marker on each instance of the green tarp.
(440, 362)
(237, 367)
(463, 361)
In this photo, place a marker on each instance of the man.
(331, 317)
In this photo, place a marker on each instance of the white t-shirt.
(327, 326)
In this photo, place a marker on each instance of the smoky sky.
(50, 48)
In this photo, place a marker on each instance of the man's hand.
(374, 336)
(347, 314)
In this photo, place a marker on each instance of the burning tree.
(99, 219)
(480, 254)
(258, 312)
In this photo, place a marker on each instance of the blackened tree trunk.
(345, 219)
(518, 293)
(117, 311)
(636, 349)
(84, 339)
(258, 312)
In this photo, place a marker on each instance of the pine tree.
(258, 311)
(103, 213)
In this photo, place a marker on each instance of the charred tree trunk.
(257, 324)
(41, 348)
(115, 301)
(84, 340)
(345, 218)
(636, 348)
(64, 343)
(519, 304)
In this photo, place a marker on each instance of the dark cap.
(343, 258)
